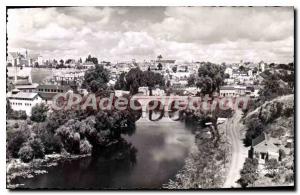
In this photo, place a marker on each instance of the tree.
(26, 153)
(272, 88)
(39, 113)
(159, 57)
(249, 173)
(191, 80)
(94, 60)
(96, 79)
(174, 69)
(61, 62)
(134, 79)
(159, 66)
(80, 60)
(121, 82)
(254, 128)
(211, 77)
(242, 68)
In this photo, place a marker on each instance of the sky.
(215, 34)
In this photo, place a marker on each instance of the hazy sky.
(216, 34)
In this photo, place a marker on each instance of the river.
(161, 150)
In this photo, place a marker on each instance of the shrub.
(52, 143)
(85, 147)
(37, 147)
(15, 141)
(26, 153)
(17, 115)
(39, 113)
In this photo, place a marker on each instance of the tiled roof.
(63, 87)
(22, 95)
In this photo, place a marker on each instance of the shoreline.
(15, 168)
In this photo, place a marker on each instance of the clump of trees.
(96, 80)
(136, 78)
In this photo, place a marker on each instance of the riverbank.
(15, 168)
(207, 164)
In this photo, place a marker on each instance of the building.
(227, 91)
(88, 65)
(263, 149)
(23, 101)
(27, 59)
(239, 90)
(27, 88)
(47, 92)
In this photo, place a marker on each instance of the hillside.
(275, 118)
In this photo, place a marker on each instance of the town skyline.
(179, 33)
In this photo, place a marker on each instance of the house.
(239, 90)
(227, 91)
(23, 100)
(27, 88)
(263, 149)
(47, 92)
(88, 65)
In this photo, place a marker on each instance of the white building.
(239, 90)
(27, 59)
(23, 101)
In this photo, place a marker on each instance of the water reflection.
(147, 159)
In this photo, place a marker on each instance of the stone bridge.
(163, 103)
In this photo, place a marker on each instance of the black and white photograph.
(150, 98)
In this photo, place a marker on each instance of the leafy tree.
(94, 60)
(174, 69)
(191, 80)
(61, 62)
(242, 68)
(15, 141)
(249, 173)
(254, 128)
(159, 66)
(39, 113)
(37, 147)
(85, 147)
(121, 82)
(272, 88)
(96, 79)
(26, 153)
(211, 77)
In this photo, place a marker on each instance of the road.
(239, 152)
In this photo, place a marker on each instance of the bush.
(39, 113)
(85, 147)
(52, 143)
(17, 115)
(37, 147)
(15, 141)
(26, 153)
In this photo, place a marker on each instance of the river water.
(162, 147)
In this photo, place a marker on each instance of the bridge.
(169, 104)
(161, 104)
